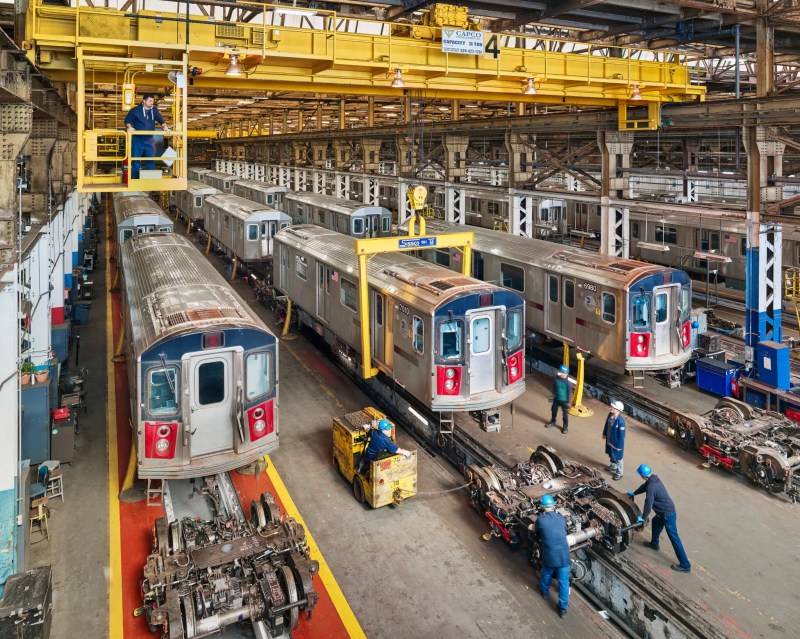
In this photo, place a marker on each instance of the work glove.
(166, 129)
(366, 427)
(631, 494)
(130, 128)
(404, 453)
(640, 520)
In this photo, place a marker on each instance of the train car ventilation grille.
(624, 267)
(441, 285)
(181, 317)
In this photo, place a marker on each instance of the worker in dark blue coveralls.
(379, 440)
(551, 531)
(144, 117)
(560, 398)
(614, 434)
(657, 498)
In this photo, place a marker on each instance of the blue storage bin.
(80, 313)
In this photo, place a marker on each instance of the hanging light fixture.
(397, 81)
(530, 87)
(233, 67)
(635, 95)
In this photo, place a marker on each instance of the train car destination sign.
(417, 242)
(462, 41)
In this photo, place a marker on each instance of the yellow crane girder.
(328, 53)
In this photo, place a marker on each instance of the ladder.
(446, 427)
(154, 492)
(638, 379)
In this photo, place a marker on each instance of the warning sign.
(462, 41)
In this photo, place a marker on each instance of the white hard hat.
(618, 405)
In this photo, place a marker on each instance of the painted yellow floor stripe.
(114, 550)
(337, 597)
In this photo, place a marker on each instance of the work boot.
(549, 424)
(562, 612)
(679, 568)
(617, 477)
(564, 430)
(651, 545)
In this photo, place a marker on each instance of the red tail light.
(516, 366)
(640, 344)
(160, 439)
(686, 334)
(448, 380)
(261, 420)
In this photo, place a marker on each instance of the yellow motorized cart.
(389, 478)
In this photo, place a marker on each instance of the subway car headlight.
(259, 426)
(162, 445)
(449, 384)
(450, 374)
(514, 372)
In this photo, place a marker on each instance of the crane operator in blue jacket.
(379, 440)
(551, 531)
(144, 118)
(657, 498)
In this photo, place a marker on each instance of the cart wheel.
(358, 489)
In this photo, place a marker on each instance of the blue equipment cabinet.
(773, 364)
(715, 376)
(36, 422)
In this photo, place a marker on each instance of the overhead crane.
(324, 53)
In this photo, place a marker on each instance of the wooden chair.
(38, 516)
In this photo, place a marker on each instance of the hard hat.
(564, 369)
(618, 405)
(644, 470)
(548, 501)
(384, 424)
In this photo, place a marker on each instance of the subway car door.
(377, 327)
(322, 286)
(553, 308)
(482, 364)
(210, 401)
(283, 270)
(663, 311)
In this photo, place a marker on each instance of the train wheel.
(744, 411)
(624, 513)
(290, 588)
(358, 489)
(257, 516)
(272, 511)
(176, 537)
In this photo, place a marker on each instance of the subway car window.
(211, 382)
(553, 294)
(569, 293)
(386, 222)
(198, 201)
(358, 226)
(635, 229)
(609, 308)
(512, 277)
(300, 266)
(442, 257)
(686, 303)
(348, 294)
(641, 311)
(162, 384)
(481, 338)
(451, 339)
(258, 378)
(419, 335)
(270, 199)
(252, 231)
(513, 329)
(477, 265)
(661, 308)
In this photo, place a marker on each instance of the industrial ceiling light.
(530, 87)
(397, 81)
(635, 95)
(233, 68)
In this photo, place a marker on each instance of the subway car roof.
(423, 285)
(129, 207)
(171, 288)
(265, 187)
(611, 271)
(335, 204)
(242, 208)
(200, 188)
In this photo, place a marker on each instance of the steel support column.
(371, 152)
(406, 155)
(615, 150)
(765, 51)
(455, 205)
(518, 172)
(371, 191)
(521, 214)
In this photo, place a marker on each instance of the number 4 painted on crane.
(491, 46)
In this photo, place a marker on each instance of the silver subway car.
(202, 367)
(344, 216)
(453, 342)
(261, 192)
(221, 181)
(243, 228)
(189, 203)
(138, 214)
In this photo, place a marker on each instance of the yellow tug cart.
(389, 480)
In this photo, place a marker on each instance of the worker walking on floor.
(551, 532)
(614, 435)
(657, 498)
(144, 117)
(560, 399)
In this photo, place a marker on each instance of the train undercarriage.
(764, 446)
(205, 575)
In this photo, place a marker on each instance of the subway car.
(453, 342)
(344, 216)
(202, 367)
(135, 214)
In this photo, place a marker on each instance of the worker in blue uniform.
(657, 498)
(379, 440)
(551, 531)
(614, 436)
(560, 399)
(144, 117)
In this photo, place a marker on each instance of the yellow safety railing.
(791, 289)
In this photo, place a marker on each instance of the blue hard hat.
(384, 424)
(564, 369)
(548, 501)
(644, 470)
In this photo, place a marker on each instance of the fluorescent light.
(418, 416)
(653, 246)
(711, 257)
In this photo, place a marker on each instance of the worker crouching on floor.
(551, 532)
(379, 441)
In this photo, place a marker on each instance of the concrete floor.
(422, 570)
